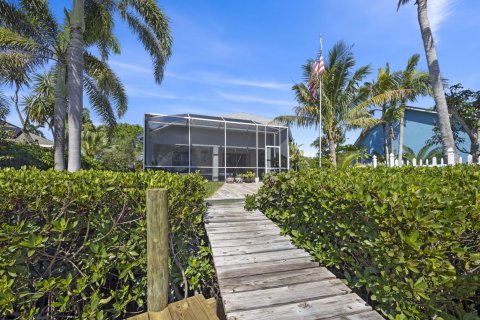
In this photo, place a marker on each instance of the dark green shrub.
(16, 155)
(74, 244)
(407, 238)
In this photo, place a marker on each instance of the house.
(419, 124)
(17, 135)
(215, 146)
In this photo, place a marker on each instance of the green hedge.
(17, 155)
(74, 244)
(407, 238)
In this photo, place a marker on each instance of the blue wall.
(418, 129)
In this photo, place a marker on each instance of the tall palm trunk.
(59, 110)
(23, 121)
(435, 78)
(400, 133)
(332, 150)
(75, 86)
(392, 138)
(385, 135)
(385, 142)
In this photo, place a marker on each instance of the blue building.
(418, 129)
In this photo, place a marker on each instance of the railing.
(451, 160)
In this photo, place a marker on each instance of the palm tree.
(145, 19)
(386, 81)
(94, 140)
(419, 84)
(40, 103)
(435, 76)
(423, 154)
(102, 86)
(26, 34)
(344, 104)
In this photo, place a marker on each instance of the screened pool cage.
(216, 147)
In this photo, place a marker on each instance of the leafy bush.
(407, 238)
(16, 155)
(74, 244)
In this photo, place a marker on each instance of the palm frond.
(14, 41)
(15, 67)
(107, 81)
(99, 23)
(401, 3)
(158, 48)
(42, 19)
(100, 102)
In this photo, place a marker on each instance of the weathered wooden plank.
(265, 240)
(242, 270)
(275, 279)
(310, 309)
(259, 257)
(255, 248)
(283, 295)
(263, 276)
(241, 235)
(242, 228)
(222, 219)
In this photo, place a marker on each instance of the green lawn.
(212, 187)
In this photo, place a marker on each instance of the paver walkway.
(263, 276)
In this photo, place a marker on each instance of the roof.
(364, 133)
(252, 117)
(236, 117)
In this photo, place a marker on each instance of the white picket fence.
(451, 160)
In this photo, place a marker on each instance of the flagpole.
(320, 111)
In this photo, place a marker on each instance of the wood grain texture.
(283, 295)
(310, 309)
(157, 249)
(275, 279)
(262, 275)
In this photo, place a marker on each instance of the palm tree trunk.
(400, 134)
(392, 138)
(385, 142)
(331, 152)
(23, 121)
(59, 110)
(75, 86)
(435, 78)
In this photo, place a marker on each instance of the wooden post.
(374, 161)
(157, 249)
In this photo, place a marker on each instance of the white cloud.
(136, 68)
(139, 93)
(259, 84)
(131, 67)
(247, 98)
(438, 12)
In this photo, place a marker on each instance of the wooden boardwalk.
(263, 276)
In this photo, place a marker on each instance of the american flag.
(317, 70)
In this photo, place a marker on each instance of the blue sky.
(244, 56)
